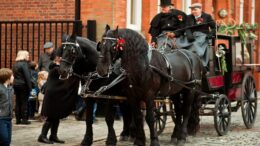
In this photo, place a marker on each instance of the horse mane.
(134, 42)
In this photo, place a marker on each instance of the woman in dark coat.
(22, 86)
(58, 103)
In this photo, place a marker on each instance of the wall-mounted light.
(222, 13)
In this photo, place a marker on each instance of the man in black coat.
(198, 17)
(203, 28)
(167, 22)
(58, 102)
(47, 57)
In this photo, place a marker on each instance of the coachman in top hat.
(167, 22)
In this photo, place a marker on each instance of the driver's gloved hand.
(190, 39)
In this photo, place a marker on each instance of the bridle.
(73, 46)
(118, 53)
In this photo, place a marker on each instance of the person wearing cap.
(167, 22)
(47, 57)
(203, 28)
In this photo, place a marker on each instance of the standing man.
(47, 57)
(203, 30)
(165, 25)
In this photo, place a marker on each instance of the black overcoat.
(60, 95)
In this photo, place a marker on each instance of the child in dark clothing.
(35, 90)
(6, 78)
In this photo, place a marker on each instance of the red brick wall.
(100, 10)
(32, 10)
(149, 10)
(37, 9)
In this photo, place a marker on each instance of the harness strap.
(191, 66)
(117, 80)
(179, 82)
(168, 65)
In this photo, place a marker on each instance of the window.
(253, 12)
(134, 14)
(241, 9)
(185, 6)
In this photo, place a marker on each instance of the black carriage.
(229, 85)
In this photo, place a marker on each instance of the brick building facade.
(134, 14)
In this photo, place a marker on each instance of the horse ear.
(98, 46)
(73, 37)
(107, 27)
(64, 37)
(116, 32)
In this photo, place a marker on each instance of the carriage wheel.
(248, 100)
(160, 116)
(222, 115)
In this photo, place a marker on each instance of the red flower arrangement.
(180, 17)
(199, 20)
(120, 44)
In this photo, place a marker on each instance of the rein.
(117, 80)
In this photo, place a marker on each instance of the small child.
(6, 78)
(34, 91)
(42, 78)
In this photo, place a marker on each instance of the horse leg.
(127, 118)
(88, 138)
(177, 108)
(138, 123)
(110, 114)
(150, 121)
(186, 108)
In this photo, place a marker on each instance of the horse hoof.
(181, 143)
(84, 144)
(174, 140)
(131, 139)
(123, 138)
(155, 143)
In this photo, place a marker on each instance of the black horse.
(79, 58)
(162, 75)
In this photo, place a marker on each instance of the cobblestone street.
(72, 132)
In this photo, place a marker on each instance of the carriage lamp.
(222, 13)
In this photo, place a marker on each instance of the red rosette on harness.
(120, 44)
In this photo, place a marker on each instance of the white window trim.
(185, 6)
(136, 27)
(253, 12)
(158, 6)
(241, 9)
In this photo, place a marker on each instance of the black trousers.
(21, 108)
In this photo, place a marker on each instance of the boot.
(25, 122)
(79, 113)
(54, 130)
(43, 137)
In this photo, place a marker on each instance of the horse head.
(111, 48)
(69, 50)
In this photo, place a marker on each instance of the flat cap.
(196, 5)
(48, 45)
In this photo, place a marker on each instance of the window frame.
(138, 18)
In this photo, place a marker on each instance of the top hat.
(48, 45)
(196, 5)
(166, 3)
